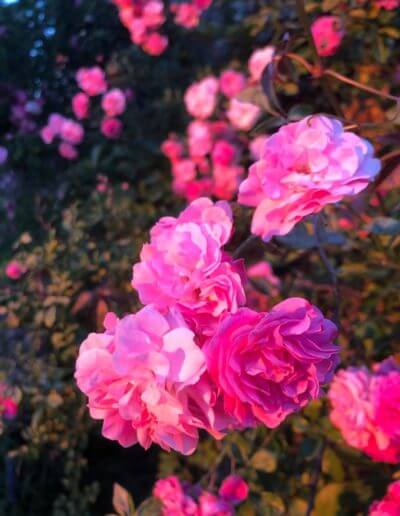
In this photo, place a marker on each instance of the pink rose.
(55, 122)
(263, 270)
(231, 83)
(184, 265)
(388, 5)
(145, 378)
(9, 408)
(14, 270)
(243, 115)
(226, 180)
(47, 135)
(390, 504)
(224, 153)
(200, 138)
(328, 33)
(256, 147)
(234, 489)
(184, 170)
(365, 409)
(172, 148)
(259, 60)
(211, 505)
(71, 132)
(91, 80)
(67, 151)
(111, 128)
(201, 98)
(305, 166)
(153, 14)
(186, 14)
(114, 102)
(173, 498)
(268, 365)
(155, 44)
(80, 105)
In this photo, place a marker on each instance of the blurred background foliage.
(79, 244)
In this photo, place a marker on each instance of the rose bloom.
(67, 151)
(153, 14)
(231, 83)
(71, 132)
(9, 408)
(224, 153)
(256, 147)
(113, 102)
(55, 122)
(243, 115)
(111, 128)
(268, 365)
(184, 170)
(186, 14)
(47, 135)
(172, 148)
(14, 270)
(145, 377)
(80, 105)
(258, 61)
(201, 98)
(305, 166)
(200, 138)
(388, 5)
(365, 408)
(390, 503)
(155, 44)
(234, 489)
(184, 265)
(174, 500)
(91, 80)
(226, 180)
(328, 33)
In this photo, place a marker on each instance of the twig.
(316, 477)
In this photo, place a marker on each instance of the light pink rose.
(80, 105)
(226, 180)
(328, 33)
(91, 80)
(172, 148)
(258, 61)
(47, 135)
(243, 115)
(234, 489)
(390, 503)
(201, 98)
(388, 5)
(305, 166)
(67, 151)
(268, 365)
(200, 139)
(231, 83)
(212, 505)
(71, 132)
(153, 14)
(184, 265)
(145, 377)
(365, 409)
(184, 170)
(113, 102)
(174, 500)
(186, 14)
(111, 128)
(256, 147)
(155, 44)
(15, 269)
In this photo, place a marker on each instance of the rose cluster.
(390, 503)
(187, 500)
(92, 83)
(303, 167)
(209, 161)
(366, 409)
(144, 19)
(194, 358)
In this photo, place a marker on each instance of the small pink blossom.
(263, 270)
(226, 180)
(55, 122)
(67, 151)
(243, 115)
(153, 14)
(15, 269)
(390, 503)
(145, 377)
(184, 170)
(200, 139)
(91, 80)
(111, 128)
(234, 489)
(173, 499)
(303, 167)
(212, 505)
(258, 61)
(388, 5)
(231, 83)
(9, 408)
(328, 33)
(268, 365)
(71, 132)
(187, 14)
(172, 148)
(47, 135)
(114, 102)
(224, 153)
(256, 147)
(155, 44)
(80, 105)
(201, 98)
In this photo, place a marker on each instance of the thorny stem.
(317, 223)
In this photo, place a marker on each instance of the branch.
(316, 477)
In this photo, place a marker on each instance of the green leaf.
(122, 501)
(264, 460)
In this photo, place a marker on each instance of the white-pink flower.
(243, 115)
(91, 80)
(113, 102)
(201, 98)
(258, 61)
